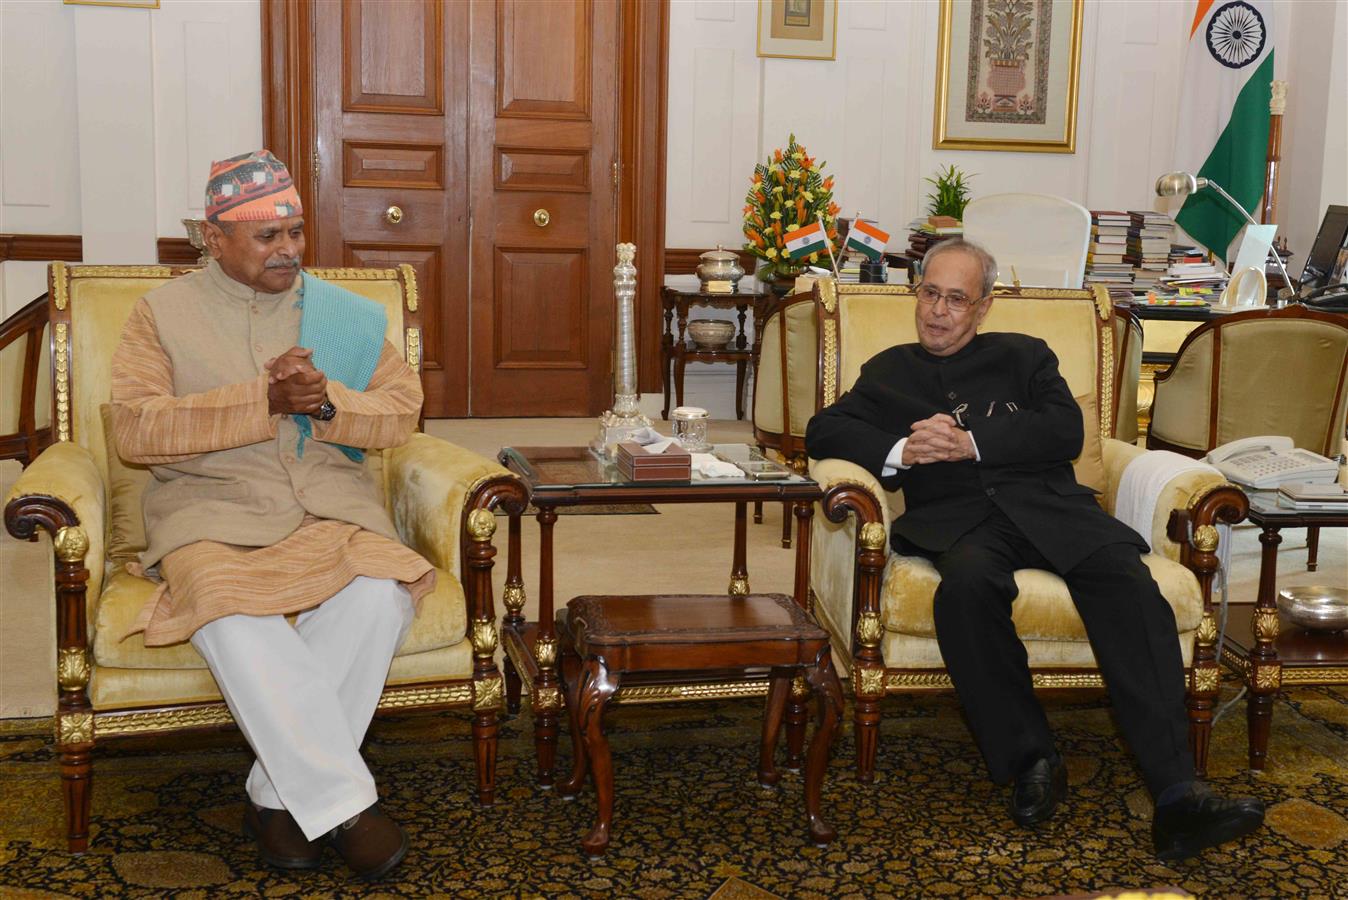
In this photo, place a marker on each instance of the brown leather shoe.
(370, 842)
(280, 842)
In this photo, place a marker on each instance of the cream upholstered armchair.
(1267, 371)
(785, 386)
(78, 490)
(879, 604)
(1127, 373)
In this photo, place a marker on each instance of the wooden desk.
(677, 348)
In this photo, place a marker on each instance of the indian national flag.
(867, 238)
(805, 240)
(1224, 118)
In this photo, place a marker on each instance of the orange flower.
(828, 183)
(833, 209)
(777, 155)
(780, 243)
(781, 177)
(758, 220)
(758, 177)
(832, 234)
(755, 237)
(758, 195)
(777, 228)
(800, 209)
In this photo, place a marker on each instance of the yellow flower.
(794, 173)
(797, 156)
(814, 257)
(791, 228)
(775, 215)
(772, 253)
(807, 195)
(777, 189)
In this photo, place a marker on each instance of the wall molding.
(41, 247)
(177, 252)
(684, 260)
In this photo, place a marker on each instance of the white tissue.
(709, 466)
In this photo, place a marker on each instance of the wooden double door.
(475, 140)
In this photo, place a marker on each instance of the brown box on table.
(638, 465)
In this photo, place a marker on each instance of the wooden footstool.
(605, 639)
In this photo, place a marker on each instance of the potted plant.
(951, 195)
(785, 193)
(1007, 42)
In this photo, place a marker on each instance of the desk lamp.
(1181, 184)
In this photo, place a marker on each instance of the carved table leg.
(513, 599)
(547, 694)
(1312, 547)
(778, 687)
(680, 350)
(1265, 671)
(797, 714)
(786, 526)
(571, 680)
(804, 515)
(740, 367)
(758, 512)
(597, 686)
(828, 691)
(739, 568)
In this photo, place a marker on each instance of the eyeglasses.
(957, 302)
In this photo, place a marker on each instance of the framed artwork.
(134, 4)
(798, 29)
(1007, 75)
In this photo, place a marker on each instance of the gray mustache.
(293, 264)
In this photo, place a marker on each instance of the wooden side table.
(1257, 646)
(676, 349)
(609, 643)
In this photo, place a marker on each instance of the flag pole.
(828, 245)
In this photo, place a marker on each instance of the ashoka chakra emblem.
(1236, 35)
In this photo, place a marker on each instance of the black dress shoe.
(1038, 791)
(370, 842)
(1201, 819)
(280, 842)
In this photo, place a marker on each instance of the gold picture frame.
(798, 29)
(130, 4)
(1011, 83)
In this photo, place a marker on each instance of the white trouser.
(304, 695)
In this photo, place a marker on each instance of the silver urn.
(719, 267)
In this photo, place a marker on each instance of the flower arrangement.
(786, 193)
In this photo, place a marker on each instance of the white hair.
(952, 245)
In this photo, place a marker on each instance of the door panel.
(391, 106)
(542, 142)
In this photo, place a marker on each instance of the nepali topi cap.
(251, 187)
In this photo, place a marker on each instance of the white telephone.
(1264, 463)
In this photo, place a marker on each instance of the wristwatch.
(326, 412)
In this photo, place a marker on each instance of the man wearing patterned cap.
(262, 507)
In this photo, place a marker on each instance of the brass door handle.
(542, 217)
(393, 215)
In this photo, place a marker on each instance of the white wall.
(869, 114)
(110, 118)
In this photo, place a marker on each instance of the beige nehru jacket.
(189, 398)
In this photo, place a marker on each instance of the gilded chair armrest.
(835, 476)
(63, 493)
(1178, 494)
(430, 483)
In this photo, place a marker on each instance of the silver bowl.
(1315, 607)
(711, 334)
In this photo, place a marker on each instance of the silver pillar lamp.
(617, 424)
(1182, 184)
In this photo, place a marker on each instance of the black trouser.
(1131, 629)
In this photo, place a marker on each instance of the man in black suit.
(980, 430)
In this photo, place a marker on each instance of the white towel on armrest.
(1140, 489)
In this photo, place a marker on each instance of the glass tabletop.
(1264, 505)
(582, 467)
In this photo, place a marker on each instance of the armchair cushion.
(1042, 612)
(441, 621)
(126, 483)
(1089, 467)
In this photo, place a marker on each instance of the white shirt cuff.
(894, 461)
(977, 458)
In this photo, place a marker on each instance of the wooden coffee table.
(611, 642)
(575, 476)
(1267, 651)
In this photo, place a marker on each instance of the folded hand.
(937, 439)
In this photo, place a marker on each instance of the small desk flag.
(866, 238)
(805, 240)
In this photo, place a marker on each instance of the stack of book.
(1148, 250)
(1313, 497)
(922, 236)
(1109, 242)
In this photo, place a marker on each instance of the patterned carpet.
(691, 821)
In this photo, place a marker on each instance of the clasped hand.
(937, 439)
(293, 384)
